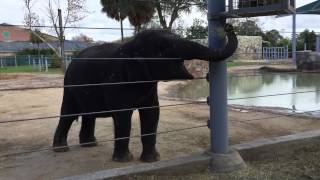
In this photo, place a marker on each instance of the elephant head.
(170, 51)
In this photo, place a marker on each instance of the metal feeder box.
(252, 8)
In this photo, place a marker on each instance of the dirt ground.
(35, 135)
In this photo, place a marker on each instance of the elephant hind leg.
(60, 137)
(122, 128)
(86, 136)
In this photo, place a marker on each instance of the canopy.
(312, 8)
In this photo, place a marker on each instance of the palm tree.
(139, 12)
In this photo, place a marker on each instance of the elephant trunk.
(193, 50)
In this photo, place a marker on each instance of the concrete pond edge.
(200, 162)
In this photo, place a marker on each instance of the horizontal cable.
(137, 58)
(276, 116)
(104, 141)
(97, 84)
(150, 107)
(271, 95)
(99, 112)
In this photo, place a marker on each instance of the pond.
(260, 85)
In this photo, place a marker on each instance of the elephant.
(143, 58)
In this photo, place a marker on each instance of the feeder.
(253, 8)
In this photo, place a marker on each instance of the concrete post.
(223, 159)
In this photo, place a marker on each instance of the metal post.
(223, 158)
(294, 37)
(318, 44)
(218, 81)
(305, 46)
(34, 63)
(61, 39)
(46, 62)
(15, 61)
(29, 59)
(39, 64)
(1, 63)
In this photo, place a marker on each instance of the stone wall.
(308, 61)
(247, 47)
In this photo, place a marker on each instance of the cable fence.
(45, 62)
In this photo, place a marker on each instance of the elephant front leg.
(149, 119)
(86, 136)
(122, 128)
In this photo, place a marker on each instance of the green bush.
(55, 61)
(35, 52)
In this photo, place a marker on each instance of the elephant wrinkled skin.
(90, 68)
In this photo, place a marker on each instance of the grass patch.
(28, 69)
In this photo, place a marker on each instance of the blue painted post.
(318, 44)
(294, 37)
(218, 81)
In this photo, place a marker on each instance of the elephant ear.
(137, 70)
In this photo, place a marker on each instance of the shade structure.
(312, 8)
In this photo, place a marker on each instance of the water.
(249, 86)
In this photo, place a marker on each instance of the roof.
(311, 8)
(19, 46)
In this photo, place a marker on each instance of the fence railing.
(272, 53)
(37, 63)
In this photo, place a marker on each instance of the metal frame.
(282, 7)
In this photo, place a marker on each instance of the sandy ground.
(35, 135)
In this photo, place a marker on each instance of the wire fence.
(140, 108)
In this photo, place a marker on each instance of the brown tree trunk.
(162, 19)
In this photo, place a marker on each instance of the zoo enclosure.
(134, 108)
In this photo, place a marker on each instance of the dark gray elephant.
(91, 69)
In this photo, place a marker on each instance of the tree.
(83, 38)
(306, 37)
(248, 27)
(170, 10)
(74, 12)
(198, 30)
(34, 38)
(273, 37)
(138, 12)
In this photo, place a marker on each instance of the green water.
(268, 84)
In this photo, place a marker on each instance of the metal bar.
(15, 61)
(218, 81)
(61, 39)
(100, 112)
(318, 44)
(46, 62)
(103, 141)
(294, 36)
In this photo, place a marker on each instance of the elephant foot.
(88, 142)
(122, 157)
(150, 157)
(60, 147)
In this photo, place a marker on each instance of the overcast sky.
(12, 12)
